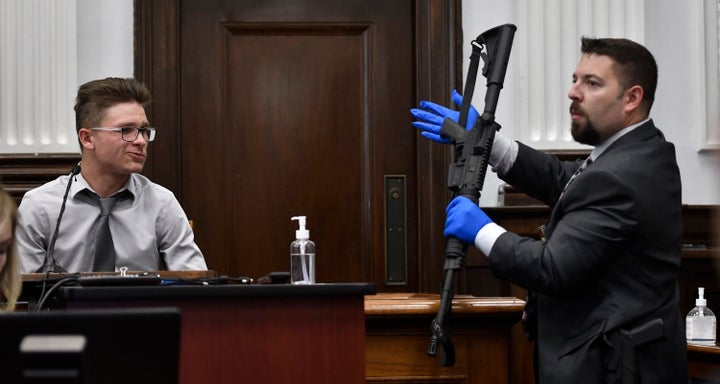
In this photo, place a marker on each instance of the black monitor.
(138, 345)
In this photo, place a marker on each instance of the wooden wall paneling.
(314, 148)
(299, 103)
(700, 225)
(359, 127)
(20, 173)
(701, 260)
(156, 60)
(439, 58)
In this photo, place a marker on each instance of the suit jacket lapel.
(642, 133)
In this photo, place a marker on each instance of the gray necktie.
(578, 171)
(104, 260)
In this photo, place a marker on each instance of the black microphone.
(50, 265)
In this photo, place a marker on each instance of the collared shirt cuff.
(503, 154)
(486, 237)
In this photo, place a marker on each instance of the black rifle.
(471, 153)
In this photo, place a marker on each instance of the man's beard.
(585, 134)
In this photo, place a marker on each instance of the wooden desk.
(255, 333)
(398, 335)
(704, 363)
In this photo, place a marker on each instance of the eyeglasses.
(130, 134)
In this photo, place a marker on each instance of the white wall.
(105, 39)
(672, 37)
(47, 49)
(671, 34)
(477, 17)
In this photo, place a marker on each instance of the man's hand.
(464, 220)
(430, 117)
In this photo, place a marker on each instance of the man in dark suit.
(603, 304)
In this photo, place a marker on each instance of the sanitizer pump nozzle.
(301, 233)
(700, 301)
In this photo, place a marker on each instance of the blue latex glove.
(430, 117)
(464, 219)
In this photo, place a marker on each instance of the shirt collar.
(80, 184)
(597, 151)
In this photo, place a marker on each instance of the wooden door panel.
(294, 124)
(296, 146)
(289, 107)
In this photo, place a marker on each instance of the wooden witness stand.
(251, 332)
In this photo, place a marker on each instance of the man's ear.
(634, 97)
(87, 140)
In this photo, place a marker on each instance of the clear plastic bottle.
(700, 323)
(302, 255)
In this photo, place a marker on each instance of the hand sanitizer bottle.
(700, 322)
(302, 255)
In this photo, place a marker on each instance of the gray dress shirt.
(149, 227)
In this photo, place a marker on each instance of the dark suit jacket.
(610, 259)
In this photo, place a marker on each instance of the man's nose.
(140, 139)
(574, 93)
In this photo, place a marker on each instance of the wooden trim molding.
(699, 221)
(20, 173)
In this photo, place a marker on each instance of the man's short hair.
(635, 65)
(95, 97)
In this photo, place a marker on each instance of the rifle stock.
(471, 154)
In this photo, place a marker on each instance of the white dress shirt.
(149, 227)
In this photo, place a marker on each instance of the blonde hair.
(10, 280)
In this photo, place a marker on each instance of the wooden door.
(273, 109)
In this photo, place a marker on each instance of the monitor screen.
(138, 345)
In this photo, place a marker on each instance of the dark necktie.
(104, 260)
(578, 171)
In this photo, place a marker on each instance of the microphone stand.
(50, 265)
